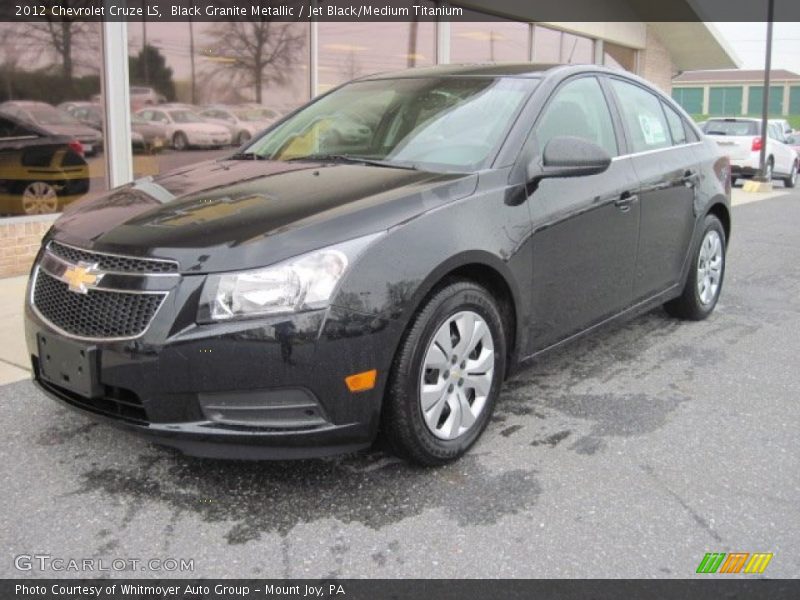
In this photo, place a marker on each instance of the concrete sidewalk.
(13, 355)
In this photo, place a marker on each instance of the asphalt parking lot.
(631, 453)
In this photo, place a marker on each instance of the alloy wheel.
(457, 375)
(39, 198)
(709, 267)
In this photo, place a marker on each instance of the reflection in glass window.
(249, 73)
(48, 157)
(350, 50)
(490, 41)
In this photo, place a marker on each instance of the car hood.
(238, 214)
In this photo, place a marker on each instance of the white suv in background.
(740, 139)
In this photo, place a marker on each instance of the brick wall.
(655, 62)
(19, 242)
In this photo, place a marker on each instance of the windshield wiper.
(246, 156)
(348, 158)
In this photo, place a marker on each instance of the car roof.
(471, 70)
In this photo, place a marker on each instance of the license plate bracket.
(69, 365)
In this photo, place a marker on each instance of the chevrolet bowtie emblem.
(82, 276)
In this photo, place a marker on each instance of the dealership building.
(204, 67)
(737, 92)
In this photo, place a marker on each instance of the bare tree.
(70, 42)
(12, 54)
(255, 53)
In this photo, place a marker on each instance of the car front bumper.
(269, 388)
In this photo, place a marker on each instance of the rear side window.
(643, 117)
(578, 109)
(676, 126)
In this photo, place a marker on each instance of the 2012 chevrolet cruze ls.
(379, 261)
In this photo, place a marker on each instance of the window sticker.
(652, 130)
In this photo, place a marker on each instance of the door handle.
(625, 200)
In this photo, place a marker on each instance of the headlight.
(305, 282)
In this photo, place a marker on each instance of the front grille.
(97, 314)
(111, 262)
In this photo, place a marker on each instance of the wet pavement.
(630, 453)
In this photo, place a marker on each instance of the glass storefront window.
(554, 46)
(51, 144)
(349, 50)
(546, 45)
(198, 89)
(489, 41)
(576, 49)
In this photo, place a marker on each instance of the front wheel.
(179, 141)
(447, 376)
(791, 180)
(707, 270)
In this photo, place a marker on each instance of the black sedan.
(55, 122)
(317, 288)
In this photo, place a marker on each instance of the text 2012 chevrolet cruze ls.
(379, 261)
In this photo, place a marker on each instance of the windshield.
(451, 123)
(731, 128)
(184, 116)
(50, 116)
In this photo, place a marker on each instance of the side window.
(676, 127)
(146, 115)
(578, 109)
(643, 116)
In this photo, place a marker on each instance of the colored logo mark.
(734, 562)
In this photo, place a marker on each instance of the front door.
(585, 228)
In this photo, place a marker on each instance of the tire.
(460, 400)
(770, 169)
(791, 180)
(242, 138)
(702, 288)
(179, 141)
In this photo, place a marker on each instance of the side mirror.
(567, 156)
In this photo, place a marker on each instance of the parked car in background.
(793, 141)
(783, 125)
(740, 139)
(261, 111)
(147, 136)
(142, 96)
(88, 113)
(186, 129)
(40, 172)
(56, 122)
(243, 123)
(301, 296)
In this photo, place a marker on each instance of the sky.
(748, 42)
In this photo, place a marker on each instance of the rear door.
(667, 171)
(585, 228)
